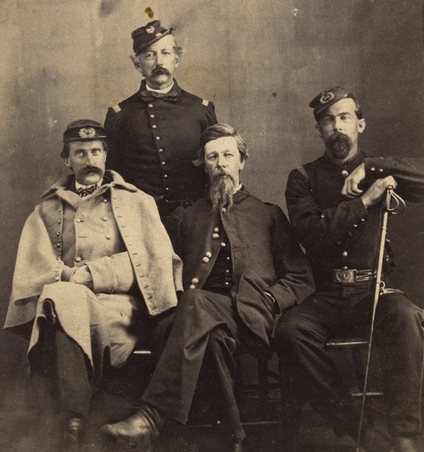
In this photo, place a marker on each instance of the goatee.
(222, 191)
(338, 145)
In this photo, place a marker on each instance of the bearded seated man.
(241, 266)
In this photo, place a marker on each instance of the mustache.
(160, 71)
(222, 173)
(338, 137)
(91, 169)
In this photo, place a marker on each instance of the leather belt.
(351, 276)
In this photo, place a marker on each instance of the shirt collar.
(78, 185)
(160, 91)
(238, 187)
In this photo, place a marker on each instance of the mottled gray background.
(259, 61)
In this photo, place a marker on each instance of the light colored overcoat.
(145, 259)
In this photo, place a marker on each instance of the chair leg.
(263, 382)
(291, 412)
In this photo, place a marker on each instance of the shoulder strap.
(302, 170)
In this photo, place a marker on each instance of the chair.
(291, 410)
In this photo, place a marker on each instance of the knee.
(189, 299)
(404, 314)
(219, 339)
(289, 330)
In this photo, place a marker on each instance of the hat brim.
(71, 139)
(156, 39)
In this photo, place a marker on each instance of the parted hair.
(221, 130)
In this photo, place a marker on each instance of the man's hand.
(377, 190)
(350, 188)
(82, 276)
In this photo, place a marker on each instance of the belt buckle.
(344, 276)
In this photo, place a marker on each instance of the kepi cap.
(84, 130)
(328, 97)
(145, 36)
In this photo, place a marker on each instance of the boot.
(140, 429)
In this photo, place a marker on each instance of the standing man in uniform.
(154, 135)
(95, 271)
(341, 239)
(242, 266)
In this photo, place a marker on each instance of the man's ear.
(361, 125)
(318, 130)
(67, 162)
(137, 65)
(177, 61)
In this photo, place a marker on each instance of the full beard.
(338, 145)
(222, 191)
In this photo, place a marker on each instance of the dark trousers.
(303, 331)
(61, 374)
(202, 342)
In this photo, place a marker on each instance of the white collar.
(160, 91)
(78, 185)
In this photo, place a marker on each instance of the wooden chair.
(291, 410)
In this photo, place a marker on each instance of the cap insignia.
(87, 132)
(327, 97)
(150, 30)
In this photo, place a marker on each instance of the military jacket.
(336, 232)
(264, 254)
(260, 239)
(154, 140)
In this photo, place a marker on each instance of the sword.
(393, 204)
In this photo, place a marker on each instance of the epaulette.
(205, 102)
(302, 171)
(116, 108)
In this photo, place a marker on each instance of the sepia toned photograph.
(212, 226)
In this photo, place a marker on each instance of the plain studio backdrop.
(259, 61)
